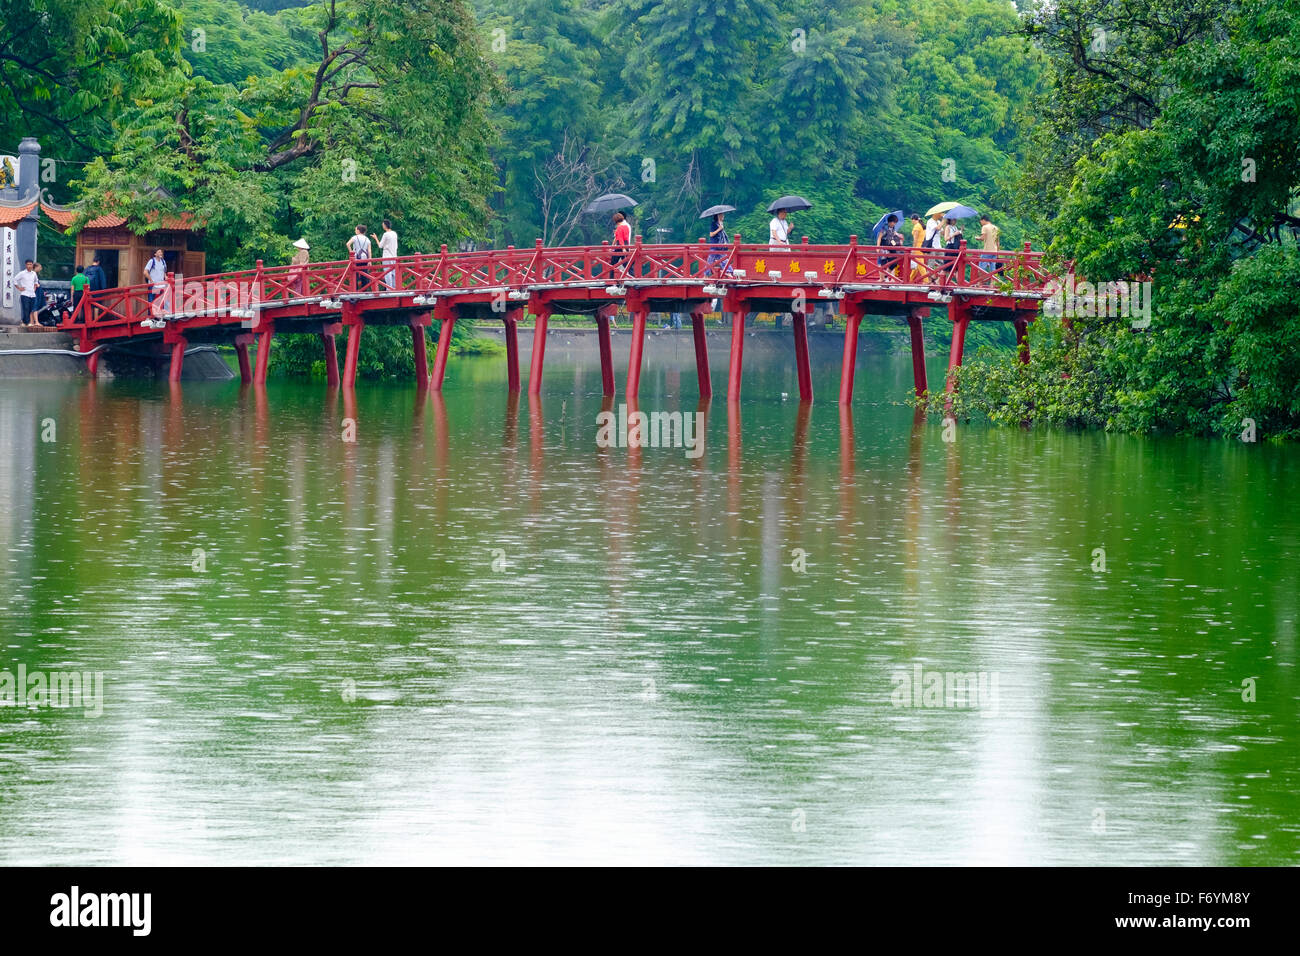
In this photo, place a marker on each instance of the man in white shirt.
(155, 272)
(934, 239)
(359, 250)
(779, 229)
(388, 251)
(25, 282)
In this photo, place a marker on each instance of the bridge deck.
(323, 297)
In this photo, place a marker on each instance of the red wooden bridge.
(324, 298)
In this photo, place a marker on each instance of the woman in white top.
(779, 229)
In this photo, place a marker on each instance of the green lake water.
(472, 635)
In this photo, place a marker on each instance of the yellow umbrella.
(943, 207)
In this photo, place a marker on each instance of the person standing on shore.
(78, 286)
(40, 292)
(25, 283)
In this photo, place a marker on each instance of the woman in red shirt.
(622, 237)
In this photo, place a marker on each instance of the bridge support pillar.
(639, 315)
(734, 363)
(241, 351)
(511, 322)
(419, 346)
(801, 356)
(263, 356)
(352, 358)
(960, 320)
(919, 380)
(701, 353)
(1022, 347)
(92, 360)
(330, 347)
(606, 350)
(444, 350)
(178, 359)
(543, 317)
(853, 313)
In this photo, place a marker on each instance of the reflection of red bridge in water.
(323, 298)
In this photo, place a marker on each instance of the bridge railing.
(801, 264)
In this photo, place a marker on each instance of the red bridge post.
(242, 342)
(606, 350)
(419, 347)
(853, 313)
(960, 312)
(178, 359)
(263, 352)
(356, 325)
(801, 356)
(511, 322)
(737, 310)
(640, 312)
(328, 334)
(701, 352)
(543, 316)
(444, 349)
(919, 380)
(1022, 347)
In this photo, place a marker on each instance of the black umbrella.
(789, 202)
(609, 202)
(716, 211)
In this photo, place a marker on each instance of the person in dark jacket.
(95, 277)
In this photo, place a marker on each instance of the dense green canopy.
(1169, 145)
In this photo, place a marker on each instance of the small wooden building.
(123, 253)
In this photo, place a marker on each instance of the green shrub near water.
(386, 351)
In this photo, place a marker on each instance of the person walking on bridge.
(298, 267)
(155, 272)
(891, 237)
(989, 243)
(359, 252)
(918, 240)
(96, 280)
(778, 230)
(388, 252)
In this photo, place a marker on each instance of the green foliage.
(1188, 136)
(855, 104)
(68, 68)
(310, 128)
